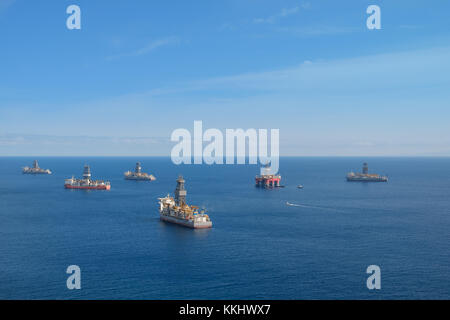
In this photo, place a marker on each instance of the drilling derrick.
(180, 192)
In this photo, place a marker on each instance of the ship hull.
(36, 173)
(138, 179)
(187, 223)
(267, 186)
(366, 180)
(68, 186)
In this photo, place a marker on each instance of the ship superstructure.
(176, 210)
(365, 176)
(35, 169)
(138, 174)
(266, 179)
(87, 183)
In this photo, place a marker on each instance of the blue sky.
(137, 70)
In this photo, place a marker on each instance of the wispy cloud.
(318, 30)
(392, 110)
(410, 27)
(148, 48)
(17, 144)
(272, 19)
(396, 69)
(285, 12)
(227, 26)
(389, 72)
(16, 139)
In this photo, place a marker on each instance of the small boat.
(292, 204)
(300, 186)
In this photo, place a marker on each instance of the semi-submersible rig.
(266, 179)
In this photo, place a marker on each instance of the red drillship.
(86, 183)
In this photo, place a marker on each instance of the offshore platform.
(138, 174)
(176, 210)
(87, 183)
(35, 169)
(365, 176)
(268, 180)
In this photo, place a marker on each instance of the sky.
(137, 70)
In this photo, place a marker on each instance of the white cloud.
(8, 140)
(148, 48)
(318, 30)
(384, 104)
(156, 44)
(284, 13)
(410, 27)
(49, 145)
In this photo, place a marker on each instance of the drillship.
(365, 176)
(86, 182)
(35, 169)
(177, 211)
(138, 174)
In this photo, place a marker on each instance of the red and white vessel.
(267, 179)
(86, 183)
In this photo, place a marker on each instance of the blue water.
(259, 248)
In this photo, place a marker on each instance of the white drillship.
(365, 176)
(175, 210)
(35, 169)
(138, 174)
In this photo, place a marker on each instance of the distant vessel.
(300, 186)
(35, 169)
(86, 182)
(268, 180)
(365, 176)
(138, 174)
(175, 210)
(292, 204)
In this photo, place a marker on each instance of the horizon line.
(285, 156)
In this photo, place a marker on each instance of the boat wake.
(310, 207)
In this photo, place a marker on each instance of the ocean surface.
(258, 248)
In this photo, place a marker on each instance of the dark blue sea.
(258, 248)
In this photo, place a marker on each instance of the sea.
(318, 247)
